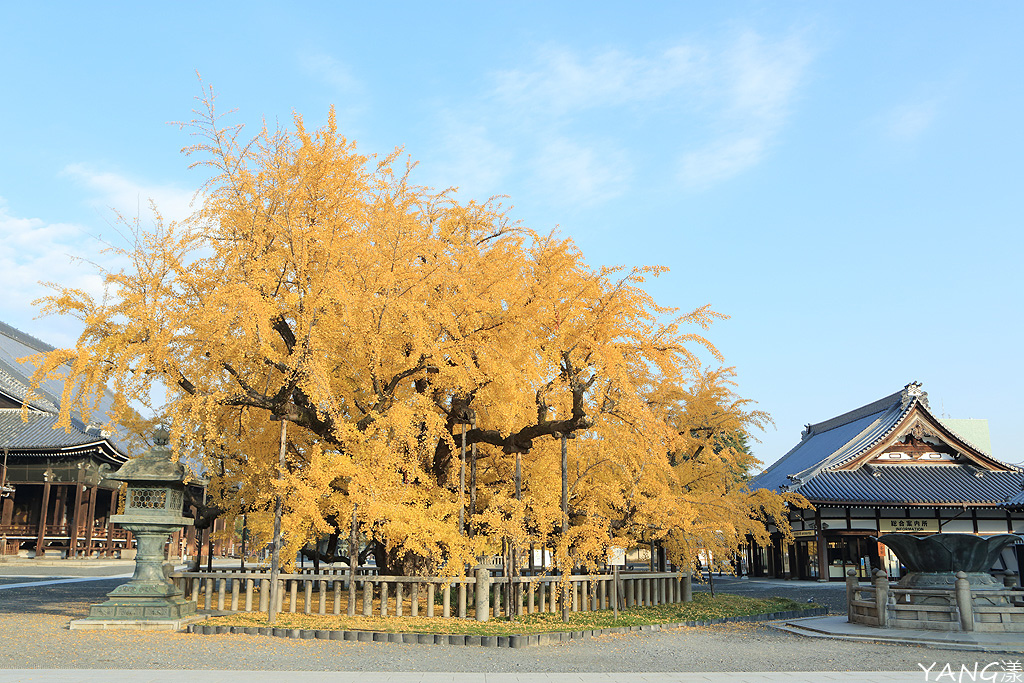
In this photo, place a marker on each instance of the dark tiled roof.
(15, 375)
(24, 339)
(810, 467)
(15, 384)
(826, 441)
(37, 433)
(910, 484)
(1016, 501)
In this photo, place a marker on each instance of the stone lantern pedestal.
(152, 512)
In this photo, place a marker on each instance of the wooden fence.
(327, 592)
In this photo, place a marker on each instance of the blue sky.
(842, 179)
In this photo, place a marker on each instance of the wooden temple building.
(55, 501)
(887, 467)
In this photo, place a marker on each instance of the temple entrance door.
(807, 559)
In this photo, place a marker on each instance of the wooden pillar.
(59, 507)
(8, 510)
(76, 519)
(822, 556)
(822, 548)
(90, 519)
(60, 514)
(174, 546)
(191, 541)
(43, 509)
(109, 552)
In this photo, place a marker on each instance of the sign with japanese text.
(895, 526)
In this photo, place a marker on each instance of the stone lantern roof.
(156, 464)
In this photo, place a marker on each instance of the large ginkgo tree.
(328, 335)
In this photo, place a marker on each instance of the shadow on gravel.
(832, 596)
(63, 599)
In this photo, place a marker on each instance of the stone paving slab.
(177, 676)
(28, 582)
(839, 627)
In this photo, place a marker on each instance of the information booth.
(887, 467)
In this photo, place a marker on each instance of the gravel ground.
(33, 626)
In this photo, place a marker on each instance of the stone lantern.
(152, 512)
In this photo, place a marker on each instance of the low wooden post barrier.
(321, 593)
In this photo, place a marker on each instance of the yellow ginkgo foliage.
(375, 317)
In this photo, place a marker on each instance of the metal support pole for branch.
(615, 590)
(565, 518)
(508, 577)
(462, 484)
(245, 534)
(209, 540)
(514, 564)
(472, 484)
(353, 561)
(275, 555)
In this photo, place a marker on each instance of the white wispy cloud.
(472, 161)
(715, 109)
(331, 71)
(580, 174)
(721, 160)
(908, 122)
(34, 251)
(131, 198)
(562, 82)
(756, 87)
(350, 94)
(69, 254)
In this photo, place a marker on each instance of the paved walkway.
(53, 582)
(841, 628)
(177, 676)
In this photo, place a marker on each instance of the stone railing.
(886, 605)
(478, 596)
